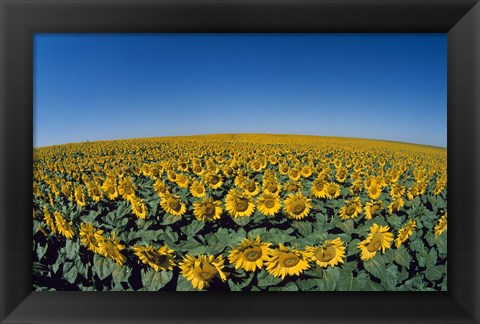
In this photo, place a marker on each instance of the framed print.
(129, 224)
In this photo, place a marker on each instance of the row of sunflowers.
(287, 212)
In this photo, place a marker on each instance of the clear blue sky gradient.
(100, 87)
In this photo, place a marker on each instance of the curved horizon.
(210, 134)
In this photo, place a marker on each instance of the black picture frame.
(19, 20)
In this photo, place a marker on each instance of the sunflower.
(372, 208)
(294, 174)
(332, 190)
(283, 169)
(173, 205)
(88, 236)
(250, 188)
(198, 169)
(330, 253)
(405, 232)
(94, 191)
(306, 171)
(201, 270)
(341, 174)
(160, 188)
(197, 189)
(49, 220)
(207, 209)
(396, 205)
(268, 204)
(139, 207)
(63, 226)
(441, 225)
(272, 187)
(256, 165)
(110, 248)
(356, 187)
(297, 206)
(413, 192)
(214, 180)
(374, 191)
(79, 195)
(160, 260)
(182, 181)
(285, 261)
(250, 254)
(126, 188)
(351, 209)
(237, 204)
(397, 190)
(110, 188)
(318, 188)
(379, 238)
(294, 186)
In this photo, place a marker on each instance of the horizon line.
(223, 133)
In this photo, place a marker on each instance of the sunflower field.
(240, 212)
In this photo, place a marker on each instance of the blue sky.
(113, 86)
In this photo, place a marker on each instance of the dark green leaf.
(70, 272)
(330, 279)
(265, 279)
(193, 228)
(435, 273)
(41, 250)
(402, 257)
(257, 232)
(375, 266)
(102, 266)
(121, 273)
(308, 284)
(431, 258)
(349, 282)
(71, 249)
(242, 220)
(169, 219)
(184, 285)
(155, 280)
(290, 286)
(303, 228)
(239, 284)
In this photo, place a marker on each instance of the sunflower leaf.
(202, 249)
(41, 250)
(375, 266)
(184, 285)
(390, 278)
(441, 243)
(121, 274)
(307, 284)
(330, 279)
(264, 279)
(193, 228)
(349, 282)
(71, 249)
(70, 271)
(241, 282)
(242, 220)
(289, 286)
(303, 228)
(435, 273)
(257, 232)
(431, 258)
(352, 247)
(155, 280)
(170, 219)
(402, 257)
(102, 266)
